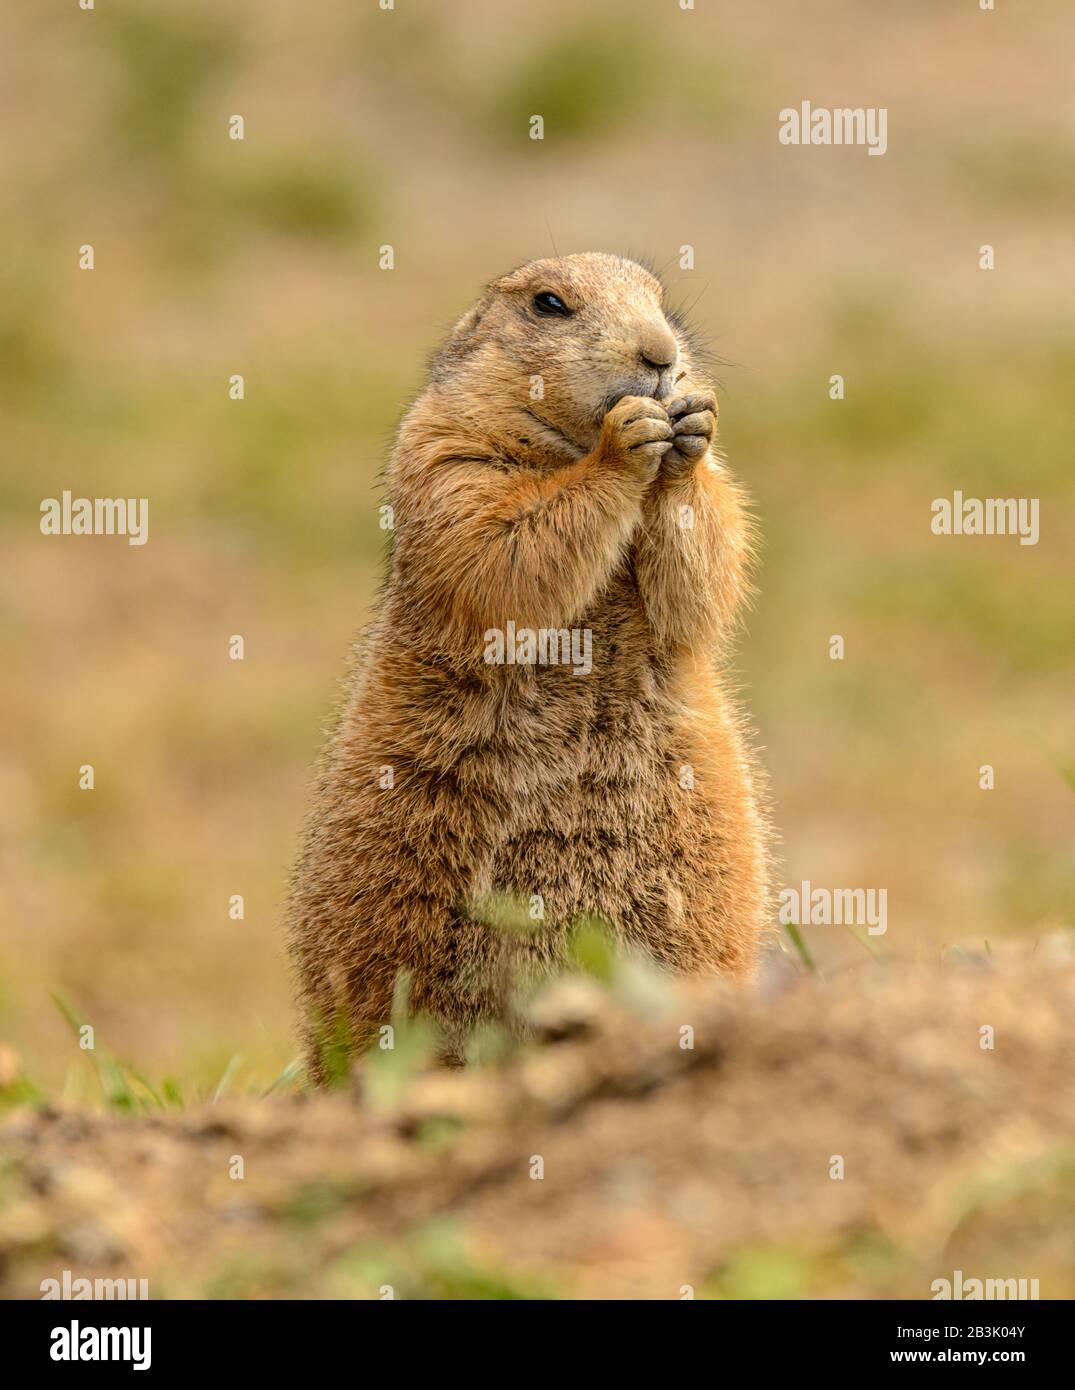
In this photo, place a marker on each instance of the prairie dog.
(537, 709)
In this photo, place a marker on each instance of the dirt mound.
(863, 1137)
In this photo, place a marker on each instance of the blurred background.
(409, 127)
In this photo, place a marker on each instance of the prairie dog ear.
(465, 329)
(463, 339)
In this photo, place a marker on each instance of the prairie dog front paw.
(694, 421)
(636, 434)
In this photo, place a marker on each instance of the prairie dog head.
(561, 340)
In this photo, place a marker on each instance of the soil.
(856, 1137)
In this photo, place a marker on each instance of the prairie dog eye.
(549, 303)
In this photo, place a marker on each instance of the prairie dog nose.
(657, 346)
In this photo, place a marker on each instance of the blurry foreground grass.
(652, 1140)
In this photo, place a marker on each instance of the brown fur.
(560, 512)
